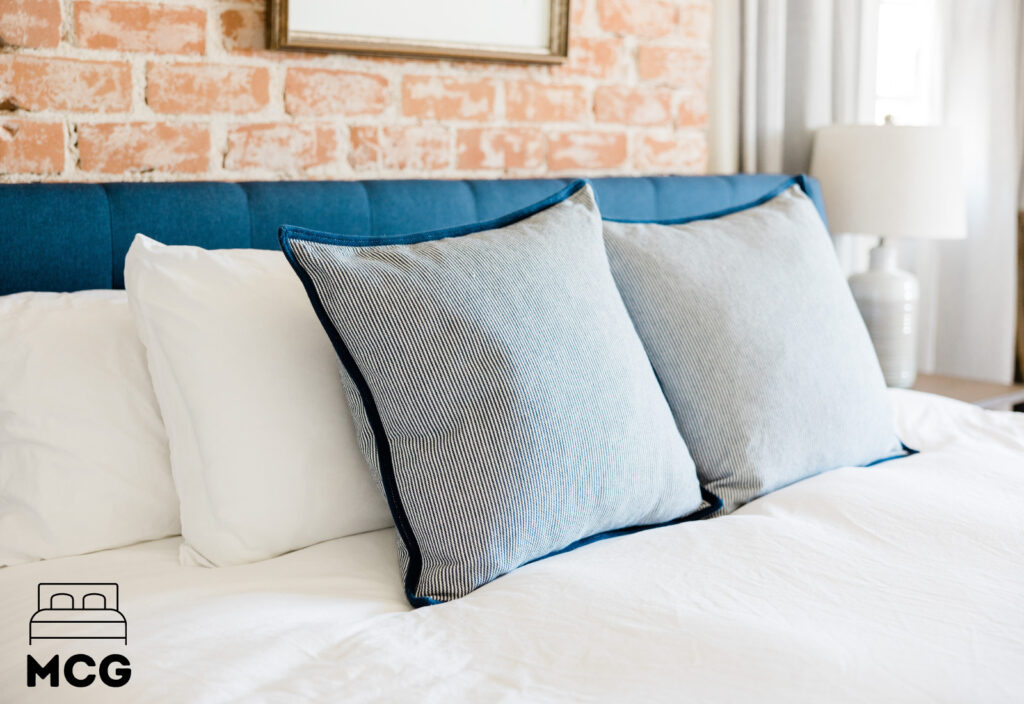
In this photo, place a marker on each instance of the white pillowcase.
(84, 462)
(263, 449)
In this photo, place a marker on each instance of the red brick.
(633, 106)
(679, 67)
(442, 98)
(244, 29)
(365, 147)
(31, 147)
(138, 147)
(693, 111)
(281, 147)
(135, 26)
(545, 102)
(684, 152)
(37, 83)
(641, 18)
(206, 88)
(30, 23)
(586, 150)
(424, 148)
(695, 21)
(594, 58)
(501, 148)
(314, 91)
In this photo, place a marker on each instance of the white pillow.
(84, 463)
(263, 449)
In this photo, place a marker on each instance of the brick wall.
(94, 90)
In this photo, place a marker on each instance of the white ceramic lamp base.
(888, 299)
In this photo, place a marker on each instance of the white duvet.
(902, 582)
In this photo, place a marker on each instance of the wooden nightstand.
(980, 393)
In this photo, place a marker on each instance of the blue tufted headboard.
(67, 237)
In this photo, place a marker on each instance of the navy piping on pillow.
(292, 231)
(907, 452)
(798, 180)
(387, 474)
(288, 232)
(712, 504)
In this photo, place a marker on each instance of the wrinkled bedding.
(902, 582)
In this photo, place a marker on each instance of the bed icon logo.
(77, 610)
(74, 611)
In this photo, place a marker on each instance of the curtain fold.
(975, 295)
(802, 69)
(1020, 202)
(1019, 377)
(782, 69)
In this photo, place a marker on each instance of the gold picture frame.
(281, 36)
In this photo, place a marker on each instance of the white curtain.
(971, 284)
(782, 68)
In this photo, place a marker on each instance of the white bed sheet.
(903, 582)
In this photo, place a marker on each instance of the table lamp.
(891, 181)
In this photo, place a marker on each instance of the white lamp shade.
(892, 181)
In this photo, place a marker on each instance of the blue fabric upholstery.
(214, 215)
(68, 237)
(344, 206)
(54, 238)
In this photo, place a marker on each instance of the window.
(906, 84)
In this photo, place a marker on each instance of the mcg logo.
(78, 611)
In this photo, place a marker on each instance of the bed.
(80, 610)
(901, 582)
(898, 582)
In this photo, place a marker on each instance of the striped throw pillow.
(500, 392)
(758, 344)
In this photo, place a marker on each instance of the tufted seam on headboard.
(110, 233)
(252, 220)
(653, 185)
(476, 198)
(248, 213)
(369, 207)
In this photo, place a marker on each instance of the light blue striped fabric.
(758, 344)
(499, 388)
